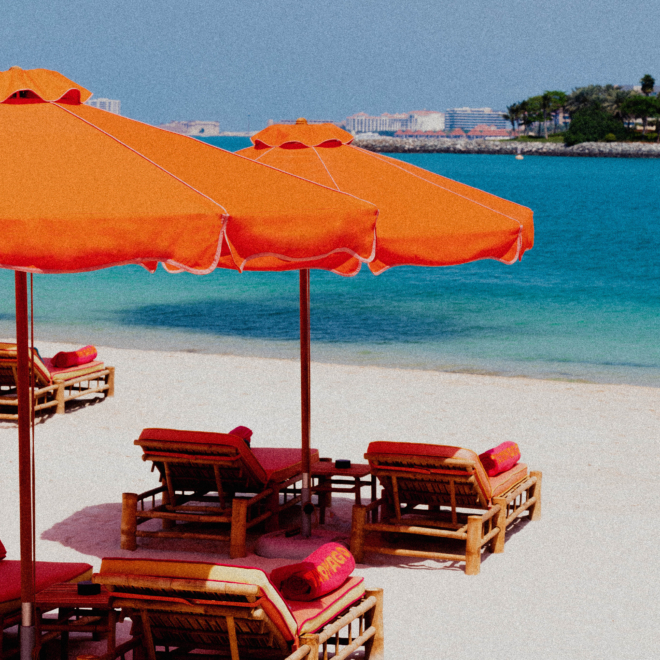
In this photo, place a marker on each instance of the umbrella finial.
(301, 120)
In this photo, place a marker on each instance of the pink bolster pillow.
(74, 358)
(3, 552)
(500, 458)
(323, 571)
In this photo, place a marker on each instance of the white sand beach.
(583, 582)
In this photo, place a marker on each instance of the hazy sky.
(281, 59)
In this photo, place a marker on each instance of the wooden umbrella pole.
(24, 468)
(305, 400)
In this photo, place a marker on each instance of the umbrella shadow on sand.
(94, 531)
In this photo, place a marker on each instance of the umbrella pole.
(305, 396)
(24, 468)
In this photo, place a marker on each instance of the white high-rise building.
(111, 105)
(426, 120)
(416, 120)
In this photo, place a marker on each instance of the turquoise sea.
(584, 304)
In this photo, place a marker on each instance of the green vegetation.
(596, 112)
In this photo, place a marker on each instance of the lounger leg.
(128, 521)
(273, 522)
(59, 397)
(473, 546)
(357, 532)
(374, 649)
(110, 379)
(535, 491)
(238, 528)
(497, 544)
(167, 523)
(311, 640)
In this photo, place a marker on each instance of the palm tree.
(513, 114)
(648, 83)
(551, 103)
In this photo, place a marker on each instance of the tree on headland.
(641, 107)
(591, 124)
(513, 114)
(551, 103)
(648, 83)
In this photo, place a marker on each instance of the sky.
(243, 62)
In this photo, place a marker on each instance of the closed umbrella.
(424, 219)
(82, 189)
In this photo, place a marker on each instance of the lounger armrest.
(372, 505)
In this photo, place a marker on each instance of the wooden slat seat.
(214, 481)
(234, 611)
(53, 387)
(443, 492)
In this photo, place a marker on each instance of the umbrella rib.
(433, 183)
(141, 155)
(325, 166)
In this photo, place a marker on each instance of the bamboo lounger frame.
(199, 485)
(229, 619)
(456, 507)
(55, 394)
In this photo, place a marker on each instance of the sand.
(580, 583)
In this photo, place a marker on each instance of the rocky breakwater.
(507, 147)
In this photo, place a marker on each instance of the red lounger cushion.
(325, 570)
(440, 451)
(266, 464)
(47, 573)
(500, 458)
(73, 358)
(3, 552)
(291, 618)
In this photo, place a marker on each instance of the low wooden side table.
(77, 613)
(330, 479)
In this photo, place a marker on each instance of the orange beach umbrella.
(83, 189)
(424, 219)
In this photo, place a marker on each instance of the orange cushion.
(506, 480)
(282, 464)
(47, 574)
(440, 451)
(312, 615)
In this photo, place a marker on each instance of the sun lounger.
(210, 481)
(54, 387)
(441, 492)
(46, 573)
(234, 611)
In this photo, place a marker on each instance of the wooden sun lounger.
(54, 387)
(46, 573)
(442, 492)
(235, 612)
(211, 480)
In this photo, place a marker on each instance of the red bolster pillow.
(3, 552)
(74, 358)
(323, 571)
(242, 432)
(500, 458)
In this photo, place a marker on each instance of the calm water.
(584, 304)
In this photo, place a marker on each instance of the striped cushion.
(312, 615)
(439, 451)
(60, 374)
(9, 356)
(506, 480)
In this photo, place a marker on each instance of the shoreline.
(509, 148)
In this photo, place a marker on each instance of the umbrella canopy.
(83, 189)
(77, 181)
(424, 219)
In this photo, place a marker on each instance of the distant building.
(484, 132)
(426, 120)
(200, 128)
(469, 118)
(110, 105)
